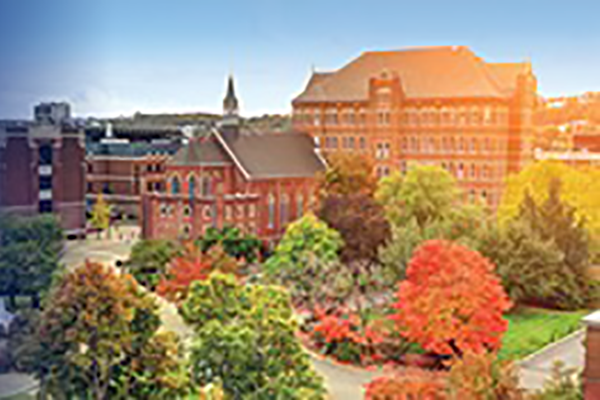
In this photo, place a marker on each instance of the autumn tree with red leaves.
(451, 301)
(193, 265)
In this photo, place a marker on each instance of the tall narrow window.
(271, 211)
(206, 186)
(283, 209)
(192, 186)
(175, 185)
(299, 205)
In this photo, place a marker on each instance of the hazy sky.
(114, 57)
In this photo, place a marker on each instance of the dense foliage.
(451, 301)
(305, 259)
(100, 218)
(544, 240)
(99, 339)
(245, 339)
(149, 259)
(193, 265)
(233, 242)
(30, 253)
(347, 174)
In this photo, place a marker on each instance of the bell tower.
(230, 102)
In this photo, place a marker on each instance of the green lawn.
(530, 329)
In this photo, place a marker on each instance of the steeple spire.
(230, 103)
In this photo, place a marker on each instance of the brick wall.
(591, 372)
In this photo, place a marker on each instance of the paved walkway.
(13, 384)
(536, 368)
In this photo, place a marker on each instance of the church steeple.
(230, 102)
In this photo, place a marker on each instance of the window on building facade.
(317, 117)
(187, 211)
(163, 210)
(240, 211)
(228, 213)
(403, 167)
(251, 210)
(192, 186)
(186, 231)
(175, 185)
(461, 145)
(299, 205)
(334, 142)
(351, 143)
(362, 117)
(473, 171)
(284, 206)
(45, 154)
(271, 211)
(461, 171)
(473, 145)
(363, 143)
(206, 186)
(472, 195)
(149, 186)
(206, 212)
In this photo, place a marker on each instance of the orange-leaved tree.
(193, 265)
(451, 301)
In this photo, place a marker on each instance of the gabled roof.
(256, 155)
(200, 151)
(272, 155)
(430, 72)
(506, 74)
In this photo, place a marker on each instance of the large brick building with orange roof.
(437, 105)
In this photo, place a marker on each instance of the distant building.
(125, 162)
(258, 182)
(574, 158)
(441, 106)
(42, 167)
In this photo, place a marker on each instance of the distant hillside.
(269, 123)
(563, 110)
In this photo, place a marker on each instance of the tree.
(148, 260)
(30, 253)
(347, 174)
(99, 339)
(580, 190)
(542, 254)
(304, 258)
(427, 193)
(479, 376)
(191, 266)
(100, 214)
(451, 301)
(233, 242)
(245, 339)
(361, 223)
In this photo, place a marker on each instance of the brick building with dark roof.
(438, 105)
(256, 182)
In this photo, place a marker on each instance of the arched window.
(206, 186)
(175, 185)
(192, 186)
(187, 211)
(271, 211)
(299, 205)
(284, 204)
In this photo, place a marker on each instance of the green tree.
(245, 339)
(30, 253)
(148, 260)
(304, 258)
(101, 214)
(99, 339)
(428, 194)
(542, 255)
(233, 242)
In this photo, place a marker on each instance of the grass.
(530, 329)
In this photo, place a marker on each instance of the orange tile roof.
(429, 72)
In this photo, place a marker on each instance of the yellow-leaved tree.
(580, 190)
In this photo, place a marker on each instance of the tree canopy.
(347, 174)
(99, 339)
(306, 254)
(148, 260)
(30, 253)
(245, 339)
(451, 300)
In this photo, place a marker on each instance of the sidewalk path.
(13, 384)
(538, 367)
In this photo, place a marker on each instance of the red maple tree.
(451, 301)
(193, 265)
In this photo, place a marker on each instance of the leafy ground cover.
(530, 329)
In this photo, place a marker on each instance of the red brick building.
(128, 163)
(42, 169)
(439, 105)
(256, 182)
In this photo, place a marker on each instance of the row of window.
(425, 116)
(241, 211)
(462, 171)
(450, 145)
(347, 142)
(206, 185)
(284, 209)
